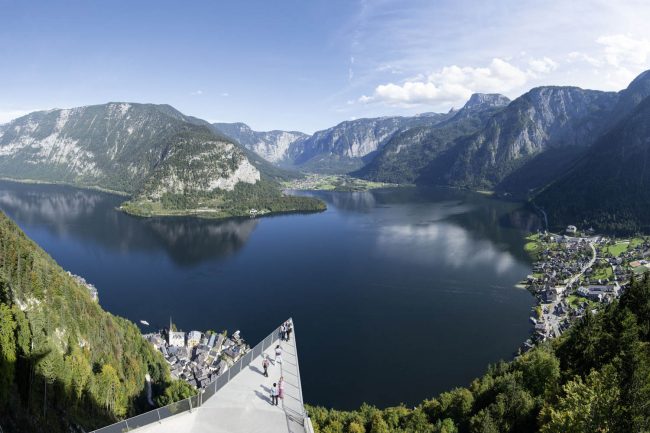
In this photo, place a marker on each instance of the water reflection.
(91, 217)
(378, 267)
(445, 244)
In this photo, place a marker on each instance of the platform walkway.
(244, 404)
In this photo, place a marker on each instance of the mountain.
(168, 162)
(340, 149)
(540, 132)
(408, 152)
(115, 146)
(273, 146)
(349, 145)
(608, 188)
(479, 102)
(629, 98)
(65, 363)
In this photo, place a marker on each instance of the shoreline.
(62, 183)
(207, 214)
(193, 213)
(576, 274)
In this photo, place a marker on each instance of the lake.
(396, 294)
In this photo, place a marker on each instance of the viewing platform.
(242, 404)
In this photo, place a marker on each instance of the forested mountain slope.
(403, 158)
(63, 360)
(609, 188)
(563, 120)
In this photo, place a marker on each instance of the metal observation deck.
(237, 402)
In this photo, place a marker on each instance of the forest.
(65, 363)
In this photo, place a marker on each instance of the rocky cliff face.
(274, 146)
(409, 151)
(340, 149)
(122, 147)
(544, 118)
(483, 101)
(349, 145)
(609, 186)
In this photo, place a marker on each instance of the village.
(195, 357)
(579, 272)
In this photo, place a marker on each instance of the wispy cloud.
(196, 93)
(437, 53)
(618, 58)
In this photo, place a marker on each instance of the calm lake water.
(397, 294)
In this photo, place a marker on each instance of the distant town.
(576, 272)
(197, 357)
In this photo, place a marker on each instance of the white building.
(176, 339)
(193, 338)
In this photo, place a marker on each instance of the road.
(551, 318)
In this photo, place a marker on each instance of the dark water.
(397, 295)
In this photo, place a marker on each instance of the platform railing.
(191, 403)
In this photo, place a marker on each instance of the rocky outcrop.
(542, 119)
(122, 147)
(274, 146)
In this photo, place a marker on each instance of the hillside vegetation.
(63, 360)
(595, 378)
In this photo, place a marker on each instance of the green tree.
(541, 370)
(586, 406)
(356, 427)
(175, 391)
(7, 352)
(377, 424)
(108, 389)
(445, 426)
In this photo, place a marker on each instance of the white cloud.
(224, 94)
(616, 60)
(544, 65)
(196, 93)
(621, 50)
(455, 84)
(577, 56)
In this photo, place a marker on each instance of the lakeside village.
(576, 272)
(195, 357)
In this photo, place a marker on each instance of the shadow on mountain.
(35, 403)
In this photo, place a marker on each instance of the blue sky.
(307, 65)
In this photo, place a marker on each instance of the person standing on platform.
(278, 355)
(274, 395)
(283, 332)
(281, 387)
(289, 330)
(265, 365)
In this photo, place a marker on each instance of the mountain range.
(558, 146)
(167, 162)
(541, 146)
